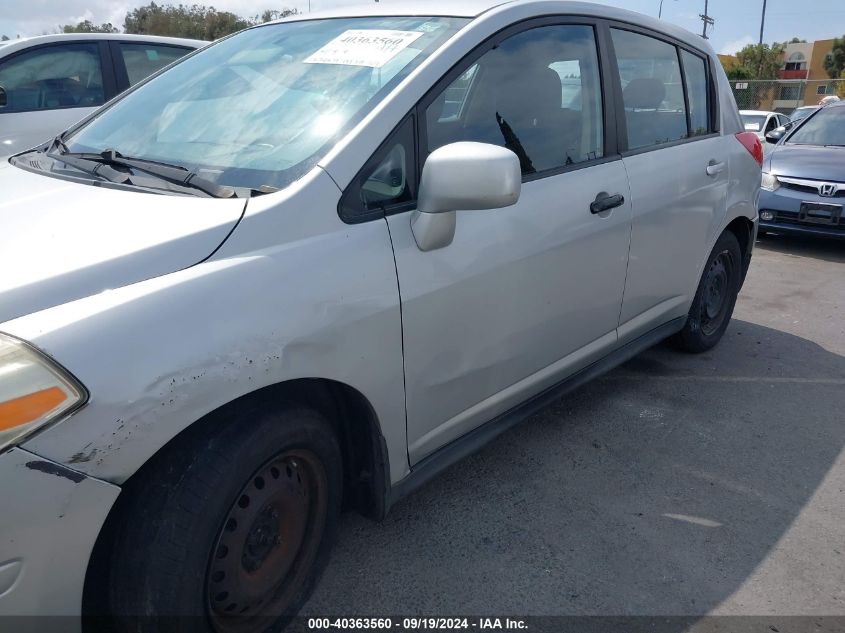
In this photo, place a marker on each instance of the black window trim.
(712, 105)
(106, 68)
(120, 72)
(361, 215)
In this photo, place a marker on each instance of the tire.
(715, 297)
(232, 531)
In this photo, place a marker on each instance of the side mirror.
(462, 176)
(775, 135)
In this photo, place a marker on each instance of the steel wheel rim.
(715, 299)
(267, 543)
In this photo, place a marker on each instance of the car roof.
(465, 9)
(760, 112)
(28, 42)
(477, 8)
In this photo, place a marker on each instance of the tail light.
(752, 143)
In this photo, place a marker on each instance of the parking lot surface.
(677, 484)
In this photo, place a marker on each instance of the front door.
(524, 295)
(45, 90)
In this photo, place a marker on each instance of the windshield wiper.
(96, 168)
(170, 173)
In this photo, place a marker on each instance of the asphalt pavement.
(675, 485)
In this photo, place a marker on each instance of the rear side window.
(695, 77)
(52, 77)
(142, 60)
(538, 93)
(652, 89)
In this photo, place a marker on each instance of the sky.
(737, 21)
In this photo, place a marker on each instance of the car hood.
(62, 240)
(808, 161)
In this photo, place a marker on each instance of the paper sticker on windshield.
(364, 47)
(431, 27)
(752, 126)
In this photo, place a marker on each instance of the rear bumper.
(785, 204)
(50, 519)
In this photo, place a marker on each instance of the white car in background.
(49, 82)
(762, 122)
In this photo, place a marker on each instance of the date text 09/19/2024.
(416, 623)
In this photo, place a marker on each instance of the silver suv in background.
(317, 262)
(49, 82)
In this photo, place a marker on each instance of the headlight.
(34, 391)
(769, 182)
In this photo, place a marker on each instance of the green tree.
(737, 72)
(834, 63)
(272, 14)
(86, 26)
(761, 60)
(194, 21)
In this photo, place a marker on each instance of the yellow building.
(804, 80)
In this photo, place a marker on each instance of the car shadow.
(824, 248)
(657, 489)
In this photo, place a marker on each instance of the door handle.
(714, 168)
(605, 202)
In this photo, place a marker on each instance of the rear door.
(48, 88)
(677, 165)
(528, 294)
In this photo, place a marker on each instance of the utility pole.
(706, 19)
(762, 21)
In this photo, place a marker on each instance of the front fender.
(161, 354)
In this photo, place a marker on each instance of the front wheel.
(715, 297)
(231, 532)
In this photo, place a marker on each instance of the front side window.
(538, 93)
(652, 92)
(52, 77)
(260, 108)
(826, 127)
(142, 60)
(771, 125)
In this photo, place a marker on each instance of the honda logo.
(828, 190)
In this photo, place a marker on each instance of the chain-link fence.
(784, 95)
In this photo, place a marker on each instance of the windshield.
(827, 127)
(260, 108)
(801, 113)
(753, 122)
